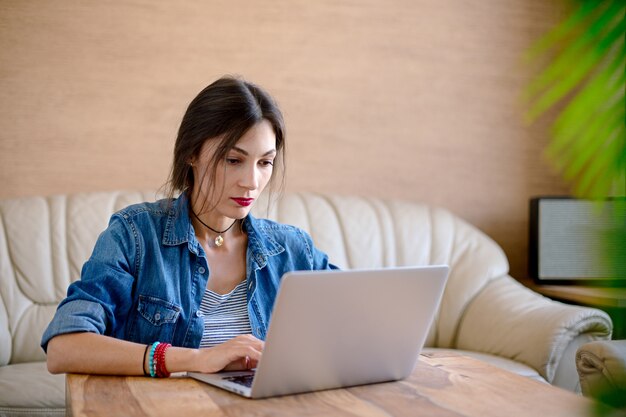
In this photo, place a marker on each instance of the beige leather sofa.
(601, 366)
(484, 312)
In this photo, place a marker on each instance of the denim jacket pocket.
(156, 320)
(157, 311)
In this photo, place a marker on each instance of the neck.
(217, 236)
(208, 220)
(214, 230)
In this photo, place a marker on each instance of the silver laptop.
(332, 329)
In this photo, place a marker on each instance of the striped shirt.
(225, 316)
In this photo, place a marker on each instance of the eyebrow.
(241, 151)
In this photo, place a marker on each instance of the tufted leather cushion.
(27, 389)
(43, 245)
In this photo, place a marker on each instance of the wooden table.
(443, 384)
(581, 294)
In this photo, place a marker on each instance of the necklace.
(219, 240)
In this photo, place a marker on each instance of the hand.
(240, 353)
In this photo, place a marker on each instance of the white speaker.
(577, 240)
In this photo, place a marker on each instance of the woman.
(197, 272)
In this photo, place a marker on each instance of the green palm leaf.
(586, 78)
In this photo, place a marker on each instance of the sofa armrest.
(601, 365)
(510, 320)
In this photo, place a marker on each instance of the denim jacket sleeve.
(101, 299)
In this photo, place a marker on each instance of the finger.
(250, 354)
(253, 363)
(250, 363)
(239, 354)
(242, 364)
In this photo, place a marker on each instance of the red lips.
(243, 202)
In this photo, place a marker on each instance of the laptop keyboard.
(245, 380)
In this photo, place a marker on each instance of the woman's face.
(240, 177)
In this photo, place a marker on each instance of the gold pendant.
(219, 240)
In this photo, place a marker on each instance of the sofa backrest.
(45, 241)
(363, 232)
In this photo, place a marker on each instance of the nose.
(250, 178)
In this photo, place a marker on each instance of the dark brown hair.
(223, 111)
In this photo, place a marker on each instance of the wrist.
(179, 359)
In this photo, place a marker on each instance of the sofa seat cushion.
(503, 363)
(29, 389)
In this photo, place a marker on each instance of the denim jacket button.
(201, 270)
(157, 316)
(199, 313)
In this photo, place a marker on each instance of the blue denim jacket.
(147, 274)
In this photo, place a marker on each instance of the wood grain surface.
(581, 294)
(443, 384)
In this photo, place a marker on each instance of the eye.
(232, 161)
(266, 163)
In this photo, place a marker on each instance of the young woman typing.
(187, 283)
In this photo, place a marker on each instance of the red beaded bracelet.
(159, 360)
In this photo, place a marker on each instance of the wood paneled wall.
(410, 99)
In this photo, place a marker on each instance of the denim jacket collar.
(179, 230)
(261, 244)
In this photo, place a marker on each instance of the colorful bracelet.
(157, 360)
(152, 363)
(161, 369)
(143, 363)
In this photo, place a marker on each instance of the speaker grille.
(579, 239)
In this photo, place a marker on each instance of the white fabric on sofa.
(44, 242)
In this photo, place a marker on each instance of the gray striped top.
(225, 316)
